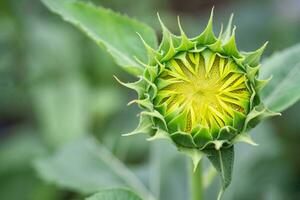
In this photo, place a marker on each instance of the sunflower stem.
(196, 183)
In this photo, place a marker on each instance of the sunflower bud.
(201, 93)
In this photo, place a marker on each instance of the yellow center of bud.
(206, 88)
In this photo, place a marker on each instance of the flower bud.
(201, 93)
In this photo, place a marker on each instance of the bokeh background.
(57, 87)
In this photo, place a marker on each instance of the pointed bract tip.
(209, 25)
(211, 17)
(131, 102)
(260, 50)
(147, 46)
(140, 62)
(230, 47)
(231, 18)
(207, 37)
(229, 25)
(115, 77)
(163, 27)
(140, 37)
(179, 25)
(260, 84)
(212, 11)
(221, 31)
(158, 16)
(253, 58)
(232, 37)
(119, 81)
(227, 33)
(263, 47)
(129, 134)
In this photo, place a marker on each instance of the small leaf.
(114, 194)
(222, 160)
(108, 28)
(283, 90)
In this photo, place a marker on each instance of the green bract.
(201, 93)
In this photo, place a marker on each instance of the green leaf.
(283, 90)
(114, 194)
(115, 32)
(222, 160)
(85, 166)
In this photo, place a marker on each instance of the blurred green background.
(62, 113)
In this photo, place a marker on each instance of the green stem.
(196, 183)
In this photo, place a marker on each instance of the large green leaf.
(85, 166)
(284, 88)
(116, 32)
(114, 194)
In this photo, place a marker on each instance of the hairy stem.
(196, 183)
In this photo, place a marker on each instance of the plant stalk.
(196, 183)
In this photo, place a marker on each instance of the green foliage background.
(62, 113)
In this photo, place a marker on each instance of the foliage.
(85, 15)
